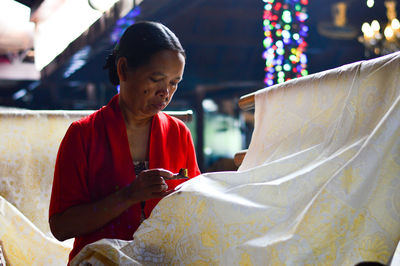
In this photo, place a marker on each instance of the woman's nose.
(163, 92)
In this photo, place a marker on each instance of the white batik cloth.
(320, 184)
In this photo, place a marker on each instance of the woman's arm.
(86, 218)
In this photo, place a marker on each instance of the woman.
(101, 187)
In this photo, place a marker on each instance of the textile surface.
(24, 243)
(28, 150)
(320, 183)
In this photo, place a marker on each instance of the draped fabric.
(29, 142)
(320, 183)
(23, 243)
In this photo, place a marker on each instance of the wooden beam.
(247, 102)
(239, 156)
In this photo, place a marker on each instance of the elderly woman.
(116, 164)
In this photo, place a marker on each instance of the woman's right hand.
(149, 184)
(92, 216)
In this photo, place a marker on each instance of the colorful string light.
(285, 31)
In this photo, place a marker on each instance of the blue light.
(123, 23)
(77, 61)
(303, 59)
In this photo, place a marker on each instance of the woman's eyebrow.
(158, 74)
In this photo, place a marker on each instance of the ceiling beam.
(91, 36)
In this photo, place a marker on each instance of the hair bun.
(112, 68)
(109, 61)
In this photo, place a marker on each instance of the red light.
(278, 6)
(267, 15)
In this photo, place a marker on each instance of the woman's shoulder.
(91, 118)
(171, 121)
(85, 125)
(98, 116)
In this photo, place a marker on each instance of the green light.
(287, 27)
(287, 16)
(293, 58)
(286, 34)
(287, 67)
(304, 72)
(281, 81)
(267, 42)
(278, 68)
(279, 44)
(296, 36)
(278, 33)
(298, 7)
(268, 7)
(281, 75)
(280, 51)
(266, 22)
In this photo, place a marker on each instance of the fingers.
(158, 188)
(159, 172)
(151, 177)
(151, 184)
(163, 193)
(154, 177)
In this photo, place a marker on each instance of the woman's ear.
(122, 68)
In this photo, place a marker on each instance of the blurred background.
(52, 53)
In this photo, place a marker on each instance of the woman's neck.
(131, 119)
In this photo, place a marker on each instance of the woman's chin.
(153, 111)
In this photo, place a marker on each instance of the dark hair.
(139, 43)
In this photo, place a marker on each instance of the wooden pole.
(247, 102)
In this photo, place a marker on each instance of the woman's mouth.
(159, 106)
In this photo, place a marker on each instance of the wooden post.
(200, 126)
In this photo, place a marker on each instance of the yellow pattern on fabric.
(29, 144)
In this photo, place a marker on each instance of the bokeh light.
(285, 32)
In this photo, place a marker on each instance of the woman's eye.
(155, 79)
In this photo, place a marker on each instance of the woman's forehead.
(165, 62)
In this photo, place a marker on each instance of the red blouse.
(94, 161)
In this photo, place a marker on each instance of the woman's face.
(148, 89)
